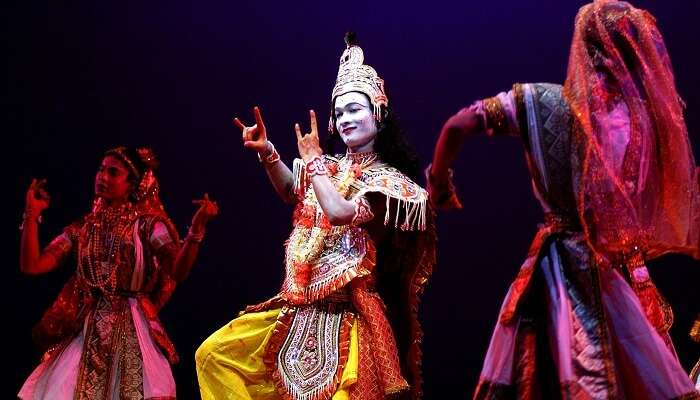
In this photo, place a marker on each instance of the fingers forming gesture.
(308, 143)
(254, 137)
(207, 210)
(37, 199)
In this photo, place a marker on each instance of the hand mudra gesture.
(308, 143)
(254, 137)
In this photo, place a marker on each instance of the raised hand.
(254, 137)
(308, 144)
(207, 210)
(37, 199)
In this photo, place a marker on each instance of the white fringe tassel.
(414, 214)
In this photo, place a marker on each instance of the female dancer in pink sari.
(102, 336)
(611, 164)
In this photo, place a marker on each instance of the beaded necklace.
(106, 232)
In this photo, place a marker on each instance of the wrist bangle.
(316, 166)
(27, 217)
(272, 155)
(194, 237)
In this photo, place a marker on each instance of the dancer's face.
(355, 122)
(112, 180)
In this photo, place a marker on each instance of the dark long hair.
(391, 144)
(402, 256)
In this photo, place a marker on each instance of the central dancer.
(344, 325)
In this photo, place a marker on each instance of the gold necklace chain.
(105, 236)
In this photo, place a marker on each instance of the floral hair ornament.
(148, 186)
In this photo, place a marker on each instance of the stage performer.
(344, 324)
(612, 167)
(102, 336)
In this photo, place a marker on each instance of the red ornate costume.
(102, 335)
(344, 325)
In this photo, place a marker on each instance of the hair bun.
(351, 39)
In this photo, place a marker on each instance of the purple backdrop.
(89, 76)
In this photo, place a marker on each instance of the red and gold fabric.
(330, 298)
(109, 309)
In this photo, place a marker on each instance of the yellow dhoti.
(230, 362)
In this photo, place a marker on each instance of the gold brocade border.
(130, 360)
(496, 118)
(365, 268)
(277, 338)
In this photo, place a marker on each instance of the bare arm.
(494, 115)
(31, 260)
(184, 260)
(337, 209)
(187, 254)
(457, 128)
(255, 138)
(443, 194)
(281, 178)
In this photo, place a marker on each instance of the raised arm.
(457, 128)
(190, 249)
(439, 174)
(255, 138)
(495, 116)
(31, 260)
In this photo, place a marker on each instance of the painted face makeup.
(355, 122)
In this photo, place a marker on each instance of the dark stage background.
(87, 76)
